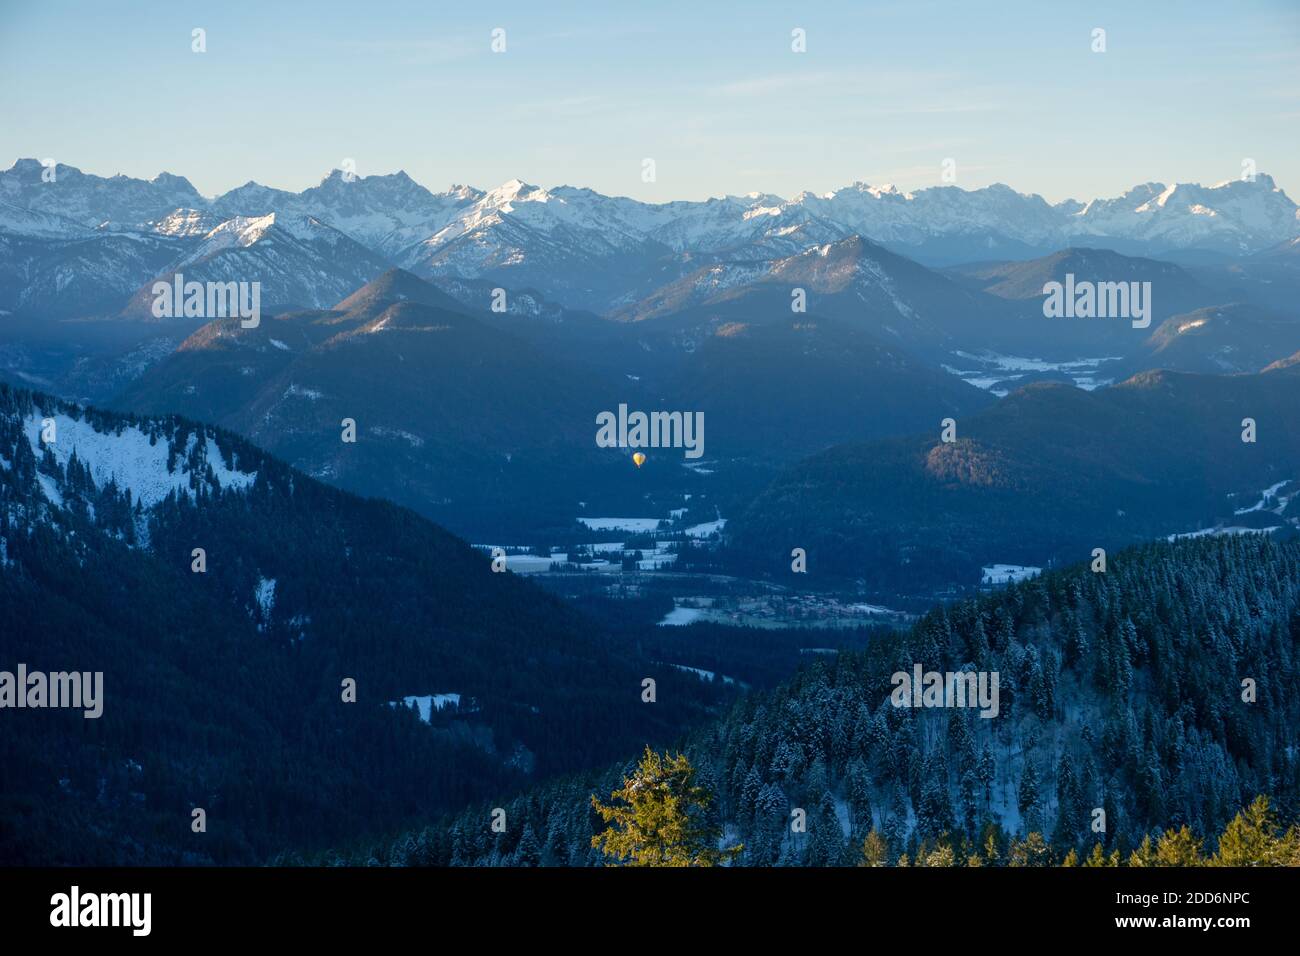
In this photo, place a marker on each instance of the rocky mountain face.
(603, 253)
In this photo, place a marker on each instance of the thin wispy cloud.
(415, 52)
(777, 83)
(930, 109)
(560, 107)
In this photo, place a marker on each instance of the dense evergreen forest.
(1155, 696)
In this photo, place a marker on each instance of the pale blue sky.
(1010, 90)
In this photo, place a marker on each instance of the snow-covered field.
(992, 368)
(706, 529)
(1008, 573)
(428, 703)
(871, 609)
(621, 524)
(680, 616)
(608, 559)
(1271, 492)
(703, 674)
(779, 610)
(1205, 532)
(607, 556)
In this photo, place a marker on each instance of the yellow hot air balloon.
(639, 459)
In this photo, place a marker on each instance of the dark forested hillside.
(1225, 339)
(464, 422)
(223, 687)
(1047, 474)
(1156, 695)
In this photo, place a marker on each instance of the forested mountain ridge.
(1047, 474)
(485, 422)
(449, 410)
(1123, 692)
(223, 674)
(1227, 339)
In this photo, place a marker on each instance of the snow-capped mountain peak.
(21, 221)
(562, 240)
(183, 222)
(515, 189)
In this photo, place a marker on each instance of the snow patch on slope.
(428, 703)
(131, 458)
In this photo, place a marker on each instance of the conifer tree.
(939, 855)
(1031, 851)
(659, 819)
(874, 850)
(992, 844)
(1028, 794)
(529, 851)
(1179, 848)
(1251, 838)
(1144, 855)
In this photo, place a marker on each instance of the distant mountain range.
(475, 335)
(597, 252)
(299, 260)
